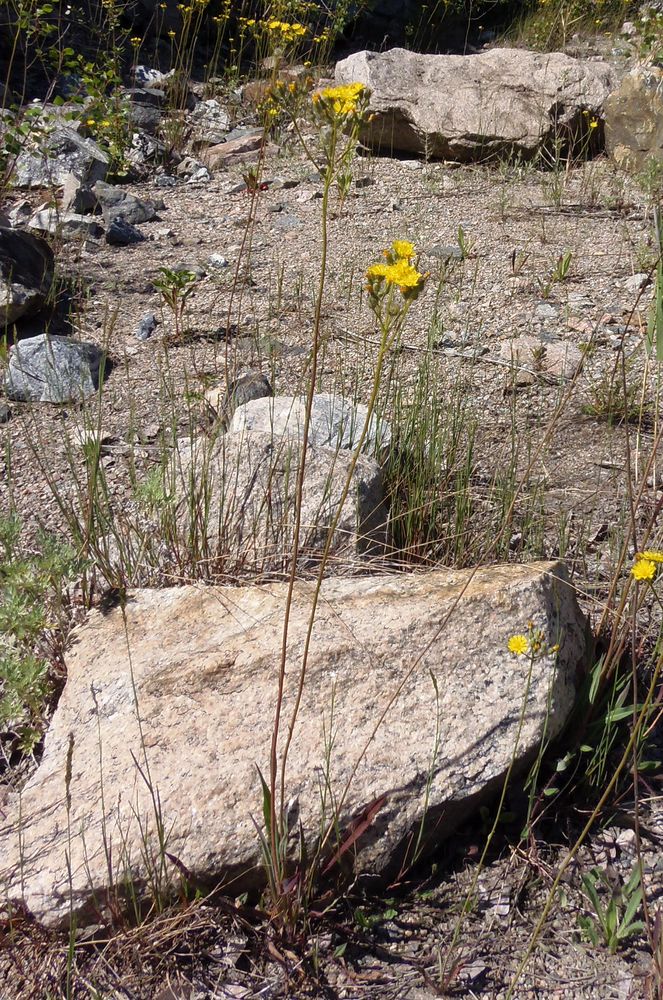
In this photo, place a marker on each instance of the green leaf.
(266, 803)
(626, 712)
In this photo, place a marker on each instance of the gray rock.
(335, 422)
(210, 124)
(46, 369)
(152, 79)
(546, 311)
(185, 678)
(66, 225)
(217, 260)
(145, 149)
(166, 181)
(63, 152)
(467, 108)
(634, 119)
(146, 327)
(26, 274)
(242, 490)
(246, 387)
(446, 253)
(145, 118)
(636, 283)
(200, 176)
(77, 197)
(5, 413)
(119, 204)
(152, 96)
(121, 234)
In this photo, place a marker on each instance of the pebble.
(165, 180)
(217, 260)
(636, 282)
(545, 311)
(146, 327)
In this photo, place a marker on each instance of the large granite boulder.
(167, 714)
(634, 119)
(26, 274)
(501, 102)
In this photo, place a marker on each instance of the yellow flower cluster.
(398, 270)
(646, 564)
(284, 31)
(341, 102)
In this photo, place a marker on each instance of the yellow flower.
(346, 92)
(644, 569)
(403, 274)
(594, 123)
(651, 555)
(403, 249)
(399, 272)
(136, 41)
(518, 644)
(377, 271)
(171, 34)
(105, 123)
(90, 121)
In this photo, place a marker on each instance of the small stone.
(636, 282)
(545, 311)
(217, 260)
(5, 413)
(121, 234)
(195, 269)
(364, 182)
(165, 180)
(146, 327)
(446, 253)
(200, 176)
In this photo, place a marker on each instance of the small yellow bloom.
(377, 271)
(171, 34)
(651, 555)
(644, 569)
(594, 123)
(518, 644)
(105, 123)
(403, 249)
(90, 121)
(136, 41)
(403, 274)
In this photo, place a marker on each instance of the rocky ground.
(535, 362)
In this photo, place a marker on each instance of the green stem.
(299, 489)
